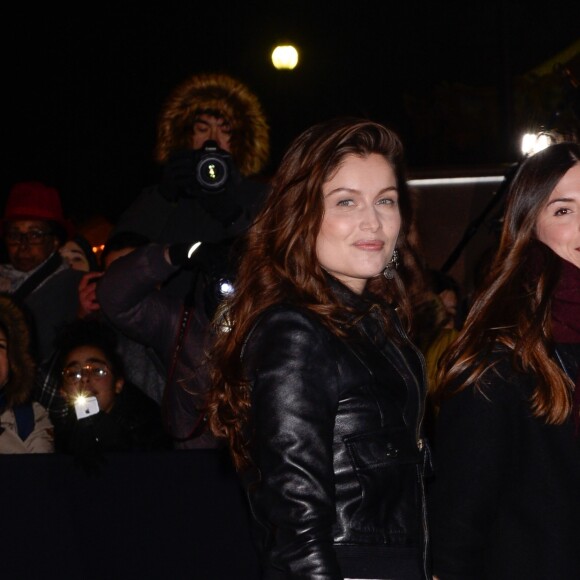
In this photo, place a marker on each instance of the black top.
(133, 424)
(505, 502)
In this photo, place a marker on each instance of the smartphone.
(86, 407)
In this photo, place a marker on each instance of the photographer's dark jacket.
(185, 218)
(130, 298)
(212, 218)
(505, 500)
(338, 446)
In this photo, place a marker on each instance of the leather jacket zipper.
(420, 445)
(418, 439)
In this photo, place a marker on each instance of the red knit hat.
(32, 200)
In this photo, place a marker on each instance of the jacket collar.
(361, 303)
(366, 316)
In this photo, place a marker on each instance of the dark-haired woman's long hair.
(22, 366)
(280, 262)
(513, 308)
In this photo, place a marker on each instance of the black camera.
(213, 168)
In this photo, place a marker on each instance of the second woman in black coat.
(505, 502)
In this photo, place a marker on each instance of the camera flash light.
(86, 406)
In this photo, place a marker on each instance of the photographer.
(212, 136)
(208, 115)
(178, 331)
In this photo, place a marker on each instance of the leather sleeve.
(293, 372)
(129, 297)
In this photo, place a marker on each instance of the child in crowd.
(105, 412)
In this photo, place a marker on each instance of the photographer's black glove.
(199, 255)
(178, 178)
(224, 207)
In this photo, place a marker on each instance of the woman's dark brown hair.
(280, 262)
(513, 308)
(21, 365)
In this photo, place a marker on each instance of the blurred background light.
(285, 57)
(534, 142)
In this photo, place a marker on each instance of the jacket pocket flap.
(382, 448)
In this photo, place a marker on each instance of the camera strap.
(49, 267)
(199, 425)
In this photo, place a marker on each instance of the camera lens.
(212, 172)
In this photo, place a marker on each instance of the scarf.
(566, 305)
(21, 284)
(566, 320)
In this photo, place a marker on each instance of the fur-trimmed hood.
(217, 92)
(22, 367)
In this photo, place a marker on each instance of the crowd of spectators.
(110, 350)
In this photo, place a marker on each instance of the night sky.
(83, 87)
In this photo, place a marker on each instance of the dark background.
(83, 86)
(176, 515)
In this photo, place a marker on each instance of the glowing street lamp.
(285, 57)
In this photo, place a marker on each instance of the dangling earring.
(389, 271)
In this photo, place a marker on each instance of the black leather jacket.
(338, 446)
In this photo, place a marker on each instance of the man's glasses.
(31, 237)
(74, 375)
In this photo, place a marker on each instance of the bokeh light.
(285, 57)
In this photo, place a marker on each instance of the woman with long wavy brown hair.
(317, 388)
(505, 499)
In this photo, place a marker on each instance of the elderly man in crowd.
(33, 228)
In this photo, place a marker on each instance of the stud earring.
(389, 271)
